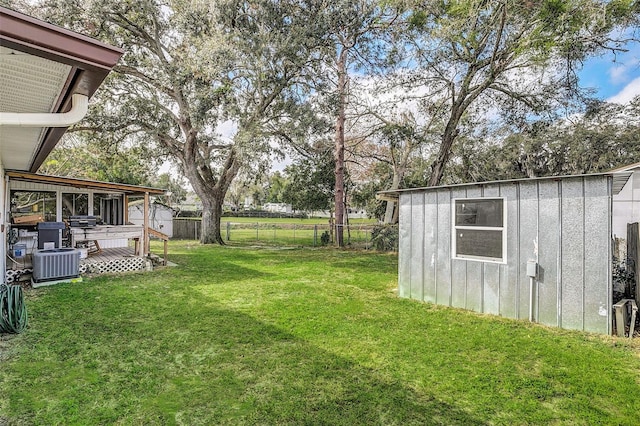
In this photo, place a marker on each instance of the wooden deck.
(114, 260)
(108, 260)
(109, 254)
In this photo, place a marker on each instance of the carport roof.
(83, 183)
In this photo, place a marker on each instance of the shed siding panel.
(474, 269)
(491, 272)
(29, 186)
(458, 283)
(417, 246)
(404, 246)
(458, 267)
(597, 301)
(19, 185)
(509, 280)
(528, 210)
(491, 296)
(548, 254)
(430, 245)
(443, 256)
(474, 286)
(572, 254)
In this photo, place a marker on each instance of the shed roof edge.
(621, 178)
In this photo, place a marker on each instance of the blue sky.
(614, 80)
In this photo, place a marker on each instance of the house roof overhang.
(83, 183)
(41, 67)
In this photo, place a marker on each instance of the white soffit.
(27, 84)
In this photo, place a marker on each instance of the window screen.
(33, 206)
(479, 229)
(108, 207)
(479, 212)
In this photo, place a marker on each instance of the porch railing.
(164, 238)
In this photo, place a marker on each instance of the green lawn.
(306, 336)
(284, 220)
(288, 234)
(286, 231)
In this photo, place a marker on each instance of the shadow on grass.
(193, 361)
(231, 271)
(377, 263)
(252, 372)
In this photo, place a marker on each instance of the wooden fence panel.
(186, 229)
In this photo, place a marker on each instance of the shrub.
(385, 237)
(623, 281)
(325, 238)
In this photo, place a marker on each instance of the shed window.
(479, 229)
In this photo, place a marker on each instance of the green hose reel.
(13, 311)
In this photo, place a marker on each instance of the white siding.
(4, 222)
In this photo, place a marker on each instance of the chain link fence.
(365, 236)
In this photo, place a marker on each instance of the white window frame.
(455, 228)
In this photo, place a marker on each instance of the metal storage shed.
(468, 246)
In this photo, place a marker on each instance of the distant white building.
(277, 208)
(191, 203)
(352, 214)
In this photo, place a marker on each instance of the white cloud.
(629, 92)
(618, 74)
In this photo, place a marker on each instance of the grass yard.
(284, 220)
(293, 337)
(282, 234)
(279, 231)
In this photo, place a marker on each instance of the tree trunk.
(443, 157)
(339, 147)
(211, 192)
(388, 212)
(211, 217)
(399, 168)
(391, 205)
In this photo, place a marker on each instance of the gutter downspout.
(79, 108)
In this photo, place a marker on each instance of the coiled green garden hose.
(13, 311)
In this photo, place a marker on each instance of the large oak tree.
(513, 56)
(191, 66)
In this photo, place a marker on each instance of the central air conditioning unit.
(55, 264)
